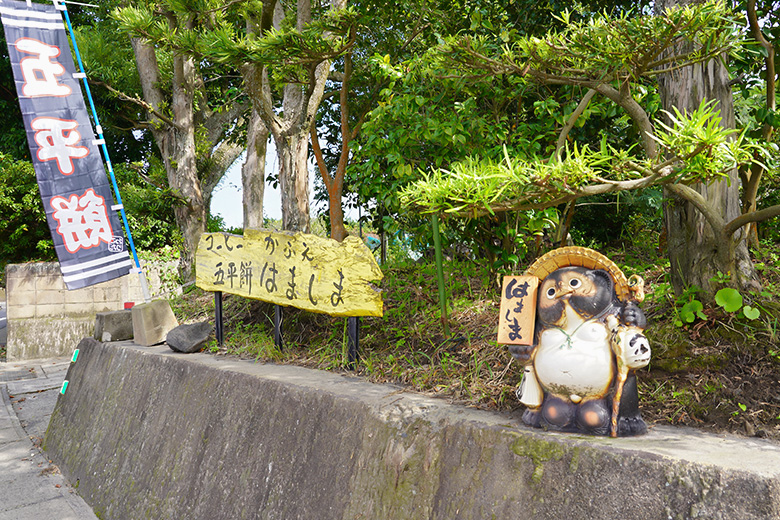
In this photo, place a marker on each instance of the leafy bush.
(24, 234)
(149, 207)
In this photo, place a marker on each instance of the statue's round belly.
(580, 366)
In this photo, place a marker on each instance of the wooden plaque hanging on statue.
(518, 310)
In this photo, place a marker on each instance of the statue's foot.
(593, 417)
(631, 425)
(532, 418)
(558, 415)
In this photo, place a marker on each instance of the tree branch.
(697, 199)
(752, 176)
(661, 176)
(635, 112)
(137, 101)
(321, 166)
(571, 121)
(748, 218)
(138, 168)
(215, 121)
(224, 155)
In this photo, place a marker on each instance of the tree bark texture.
(253, 172)
(177, 145)
(293, 154)
(697, 247)
(178, 150)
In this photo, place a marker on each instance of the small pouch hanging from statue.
(518, 310)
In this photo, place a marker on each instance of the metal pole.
(102, 142)
(278, 318)
(218, 317)
(353, 341)
(440, 274)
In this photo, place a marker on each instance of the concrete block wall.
(148, 433)
(45, 319)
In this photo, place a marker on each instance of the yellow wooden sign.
(304, 271)
(518, 310)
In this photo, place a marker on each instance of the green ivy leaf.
(691, 310)
(751, 313)
(729, 299)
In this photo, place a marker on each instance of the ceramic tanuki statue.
(579, 371)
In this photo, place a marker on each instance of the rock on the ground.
(189, 338)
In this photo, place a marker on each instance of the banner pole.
(102, 142)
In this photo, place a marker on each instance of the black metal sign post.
(278, 317)
(353, 341)
(218, 317)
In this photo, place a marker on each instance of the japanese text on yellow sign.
(303, 271)
(518, 310)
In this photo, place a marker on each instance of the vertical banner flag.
(75, 190)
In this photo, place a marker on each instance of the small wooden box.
(518, 310)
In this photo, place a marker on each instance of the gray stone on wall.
(114, 325)
(190, 337)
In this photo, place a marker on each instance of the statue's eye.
(575, 282)
(551, 292)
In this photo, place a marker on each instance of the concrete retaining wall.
(46, 320)
(147, 433)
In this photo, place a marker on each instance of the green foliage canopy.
(611, 55)
(605, 48)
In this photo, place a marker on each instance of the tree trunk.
(290, 129)
(222, 158)
(334, 184)
(336, 212)
(180, 164)
(177, 145)
(253, 172)
(178, 150)
(293, 153)
(697, 250)
(176, 115)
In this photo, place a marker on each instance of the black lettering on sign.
(245, 276)
(521, 291)
(335, 297)
(291, 284)
(219, 275)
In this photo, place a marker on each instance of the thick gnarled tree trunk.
(175, 119)
(697, 247)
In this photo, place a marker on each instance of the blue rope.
(99, 130)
